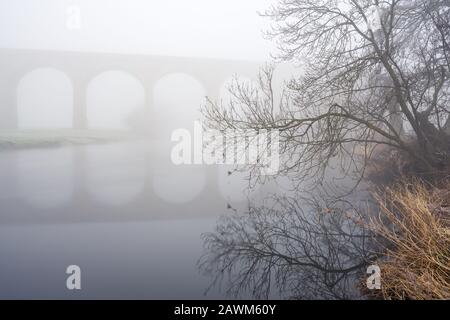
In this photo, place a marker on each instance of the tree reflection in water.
(297, 248)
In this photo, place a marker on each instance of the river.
(122, 212)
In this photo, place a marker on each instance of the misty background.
(198, 28)
(120, 210)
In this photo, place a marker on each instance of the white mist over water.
(47, 188)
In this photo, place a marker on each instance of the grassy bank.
(19, 139)
(414, 227)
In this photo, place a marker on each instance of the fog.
(111, 97)
(121, 210)
(109, 111)
(201, 28)
(44, 100)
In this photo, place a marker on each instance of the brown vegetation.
(414, 225)
(372, 105)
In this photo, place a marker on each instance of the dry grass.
(414, 226)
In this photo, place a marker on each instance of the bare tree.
(377, 74)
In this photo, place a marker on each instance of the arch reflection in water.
(116, 172)
(45, 176)
(179, 184)
(177, 100)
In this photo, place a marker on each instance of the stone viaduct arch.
(82, 67)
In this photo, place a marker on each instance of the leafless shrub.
(364, 86)
(377, 80)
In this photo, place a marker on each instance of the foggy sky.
(229, 29)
